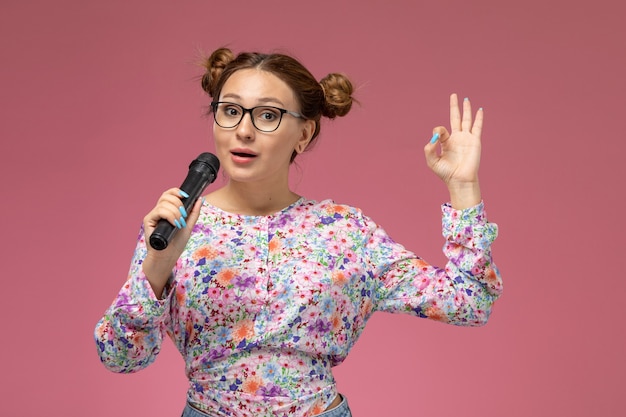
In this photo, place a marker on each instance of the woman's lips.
(242, 156)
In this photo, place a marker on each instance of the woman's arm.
(464, 291)
(461, 293)
(129, 335)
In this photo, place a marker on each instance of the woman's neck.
(252, 199)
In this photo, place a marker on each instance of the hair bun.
(214, 65)
(338, 95)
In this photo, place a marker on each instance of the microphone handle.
(193, 185)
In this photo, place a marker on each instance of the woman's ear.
(308, 129)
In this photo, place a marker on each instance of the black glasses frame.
(214, 105)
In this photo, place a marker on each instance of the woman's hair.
(331, 97)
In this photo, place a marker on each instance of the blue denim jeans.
(342, 410)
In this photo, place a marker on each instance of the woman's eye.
(231, 111)
(268, 115)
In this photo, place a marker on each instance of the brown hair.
(331, 97)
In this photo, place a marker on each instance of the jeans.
(342, 410)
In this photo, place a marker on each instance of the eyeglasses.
(264, 118)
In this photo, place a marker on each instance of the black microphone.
(202, 172)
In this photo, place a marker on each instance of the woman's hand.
(158, 264)
(458, 161)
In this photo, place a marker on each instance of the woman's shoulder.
(330, 208)
(328, 205)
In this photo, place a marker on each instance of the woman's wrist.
(158, 273)
(464, 195)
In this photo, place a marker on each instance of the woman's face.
(247, 154)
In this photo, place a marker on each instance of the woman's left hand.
(458, 161)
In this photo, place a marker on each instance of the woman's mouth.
(242, 156)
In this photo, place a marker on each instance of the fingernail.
(177, 224)
(183, 222)
(203, 200)
(183, 194)
(434, 138)
(481, 109)
(466, 99)
(182, 211)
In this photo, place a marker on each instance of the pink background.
(95, 93)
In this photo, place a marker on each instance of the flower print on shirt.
(261, 307)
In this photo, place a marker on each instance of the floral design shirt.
(261, 307)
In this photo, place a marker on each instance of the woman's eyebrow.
(260, 100)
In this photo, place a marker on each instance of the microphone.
(202, 172)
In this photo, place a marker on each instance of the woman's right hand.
(158, 264)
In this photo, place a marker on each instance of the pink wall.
(94, 92)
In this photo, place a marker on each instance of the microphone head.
(204, 161)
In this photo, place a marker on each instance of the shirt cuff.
(468, 227)
(142, 292)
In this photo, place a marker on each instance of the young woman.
(263, 291)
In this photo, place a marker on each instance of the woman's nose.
(245, 128)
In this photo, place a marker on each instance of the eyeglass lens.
(264, 118)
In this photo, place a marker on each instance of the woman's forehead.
(258, 86)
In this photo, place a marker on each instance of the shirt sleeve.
(461, 293)
(129, 335)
